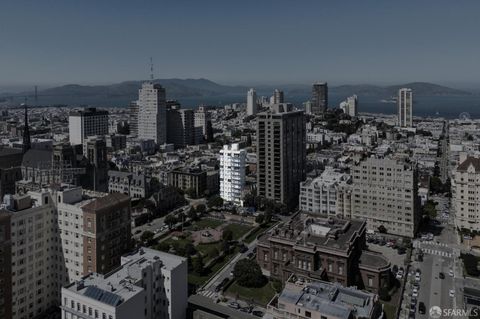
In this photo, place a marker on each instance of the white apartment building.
(251, 102)
(232, 173)
(319, 195)
(466, 194)
(350, 106)
(384, 192)
(149, 284)
(405, 108)
(152, 113)
(88, 122)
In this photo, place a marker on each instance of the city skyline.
(356, 43)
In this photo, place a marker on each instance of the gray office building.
(281, 153)
(319, 97)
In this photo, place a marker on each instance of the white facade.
(232, 173)
(466, 194)
(405, 108)
(152, 116)
(88, 122)
(319, 195)
(150, 284)
(251, 102)
(201, 119)
(350, 106)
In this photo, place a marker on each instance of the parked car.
(450, 273)
(257, 313)
(441, 275)
(234, 305)
(421, 308)
(451, 293)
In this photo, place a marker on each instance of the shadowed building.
(319, 98)
(281, 153)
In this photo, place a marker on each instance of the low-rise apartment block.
(149, 284)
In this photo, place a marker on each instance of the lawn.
(204, 224)
(261, 296)
(178, 244)
(208, 249)
(238, 230)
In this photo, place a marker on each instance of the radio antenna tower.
(151, 69)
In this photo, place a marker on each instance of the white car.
(415, 293)
(450, 273)
(451, 293)
(417, 277)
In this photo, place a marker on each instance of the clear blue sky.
(240, 42)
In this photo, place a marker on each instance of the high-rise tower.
(319, 97)
(26, 132)
(281, 153)
(405, 107)
(251, 102)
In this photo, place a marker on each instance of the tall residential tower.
(405, 107)
(232, 173)
(152, 115)
(251, 102)
(319, 97)
(281, 153)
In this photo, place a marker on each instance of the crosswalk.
(436, 252)
(418, 244)
(208, 294)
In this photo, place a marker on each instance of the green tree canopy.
(247, 273)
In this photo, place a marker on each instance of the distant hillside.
(419, 88)
(124, 92)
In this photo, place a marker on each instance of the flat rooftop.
(120, 284)
(311, 230)
(328, 298)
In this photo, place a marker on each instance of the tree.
(192, 214)
(163, 246)
(382, 229)
(191, 192)
(201, 209)
(190, 249)
(215, 201)
(247, 273)
(227, 235)
(436, 185)
(430, 209)
(213, 253)
(147, 236)
(383, 294)
(198, 265)
(259, 219)
(170, 220)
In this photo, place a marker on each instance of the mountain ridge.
(176, 88)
